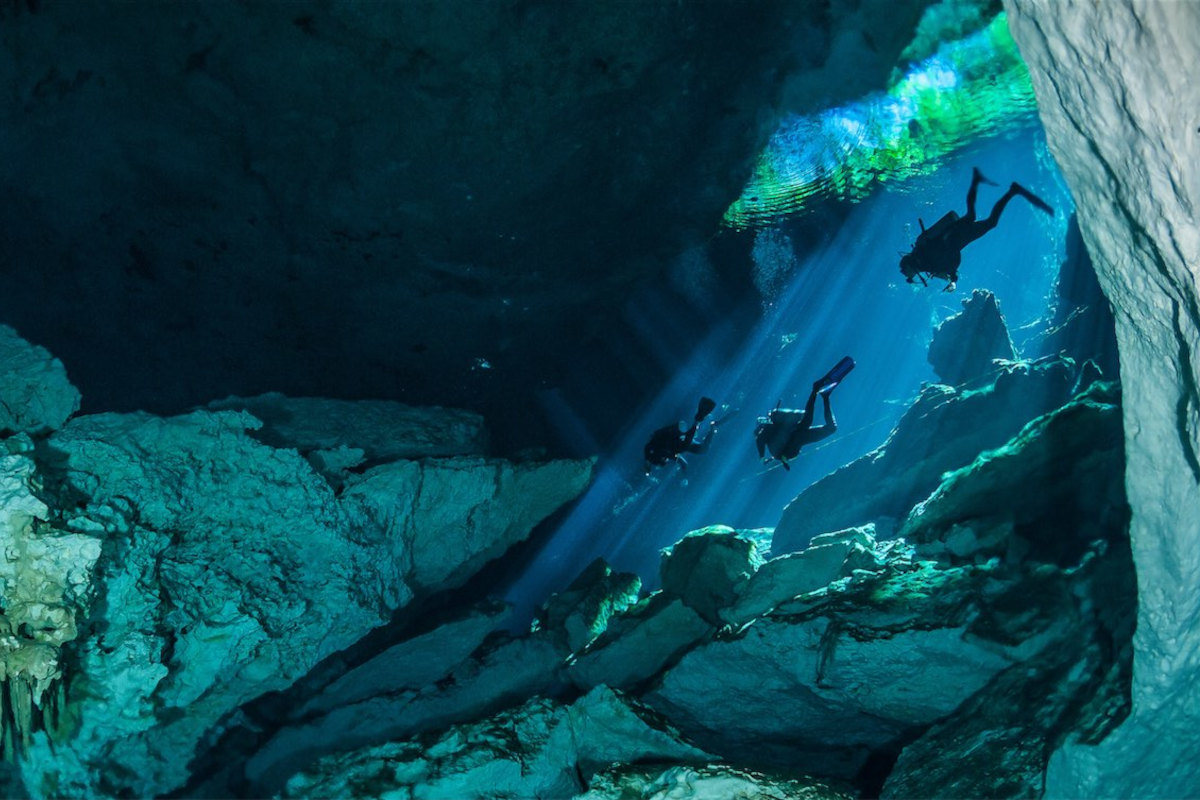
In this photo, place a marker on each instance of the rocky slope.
(162, 572)
(878, 661)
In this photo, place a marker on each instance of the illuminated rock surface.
(1117, 97)
(542, 749)
(706, 783)
(193, 569)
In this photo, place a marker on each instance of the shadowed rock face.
(434, 201)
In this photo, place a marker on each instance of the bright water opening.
(846, 298)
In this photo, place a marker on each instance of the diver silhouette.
(938, 250)
(669, 443)
(785, 430)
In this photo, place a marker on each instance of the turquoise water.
(846, 297)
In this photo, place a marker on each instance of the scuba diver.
(937, 251)
(785, 430)
(668, 443)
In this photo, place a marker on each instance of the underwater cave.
(690, 399)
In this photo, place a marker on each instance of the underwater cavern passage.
(334, 334)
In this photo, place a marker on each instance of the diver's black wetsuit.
(668, 443)
(785, 430)
(941, 255)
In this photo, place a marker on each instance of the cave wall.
(434, 201)
(1117, 93)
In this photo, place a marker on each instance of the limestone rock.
(966, 345)
(1081, 324)
(499, 675)
(639, 643)
(993, 747)
(45, 583)
(541, 749)
(581, 612)
(409, 666)
(1116, 94)
(827, 558)
(821, 689)
(708, 568)
(944, 430)
(714, 782)
(448, 517)
(36, 396)
(1059, 481)
(234, 559)
(230, 568)
(382, 429)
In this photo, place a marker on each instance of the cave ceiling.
(436, 202)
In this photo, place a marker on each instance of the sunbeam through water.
(845, 298)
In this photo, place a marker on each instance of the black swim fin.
(976, 175)
(1033, 198)
(707, 404)
(835, 375)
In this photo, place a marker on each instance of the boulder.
(639, 643)
(36, 397)
(227, 569)
(822, 689)
(541, 749)
(578, 614)
(828, 558)
(993, 747)
(708, 568)
(448, 517)
(712, 782)
(966, 346)
(1058, 484)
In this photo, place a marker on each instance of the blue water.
(846, 298)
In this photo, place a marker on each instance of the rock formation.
(162, 572)
(945, 428)
(966, 346)
(1116, 95)
(847, 654)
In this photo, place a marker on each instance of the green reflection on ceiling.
(972, 88)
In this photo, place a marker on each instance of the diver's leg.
(690, 436)
(830, 422)
(807, 420)
(702, 445)
(976, 179)
(821, 431)
(964, 234)
(1037, 202)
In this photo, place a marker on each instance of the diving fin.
(707, 404)
(1033, 198)
(835, 375)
